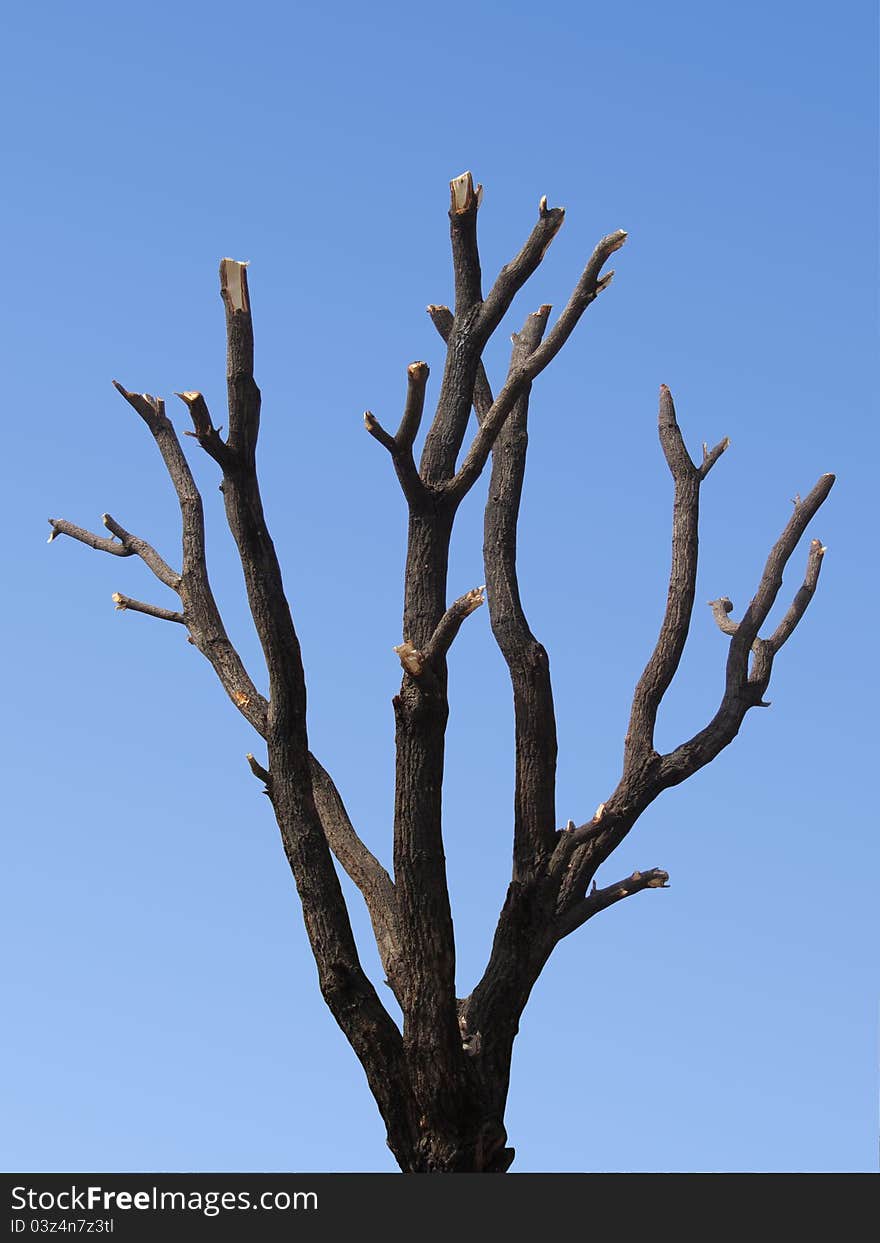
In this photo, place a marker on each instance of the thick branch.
(465, 202)
(434, 1048)
(344, 986)
(244, 512)
(417, 380)
(243, 394)
(524, 936)
(526, 658)
(666, 657)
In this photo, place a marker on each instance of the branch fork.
(451, 1060)
(418, 662)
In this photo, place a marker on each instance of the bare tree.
(441, 1083)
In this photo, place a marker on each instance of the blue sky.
(163, 1008)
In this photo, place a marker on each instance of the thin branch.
(584, 850)
(724, 606)
(415, 661)
(585, 291)
(103, 543)
(145, 551)
(400, 446)
(514, 275)
(363, 869)
(473, 323)
(378, 432)
(521, 375)
(152, 610)
(803, 597)
(764, 650)
(666, 657)
(771, 580)
(450, 623)
(200, 613)
(359, 863)
(711, 456)
(261, 773)
(128, 545)
(743, 689)
(720, 609)
(599, 899)
(203, 618)
(205, 432)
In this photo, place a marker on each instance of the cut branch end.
(473, 599)
(233, 285)
(711, 456)
(378, 432)
(150, 610)
(465, 197)
(720, 610)
(412, 660)
(261, 773)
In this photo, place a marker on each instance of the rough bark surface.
(440, 1079)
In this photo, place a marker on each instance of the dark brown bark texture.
(440, 1079)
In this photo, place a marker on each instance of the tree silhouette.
(441, 1082)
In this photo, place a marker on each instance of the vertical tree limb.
(346, 989)
(666, 657)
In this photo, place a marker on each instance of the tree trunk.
(441, 1082)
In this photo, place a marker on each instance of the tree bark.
(441, 1080)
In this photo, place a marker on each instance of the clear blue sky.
(163, 1011)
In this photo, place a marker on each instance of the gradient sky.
(163, 1012)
